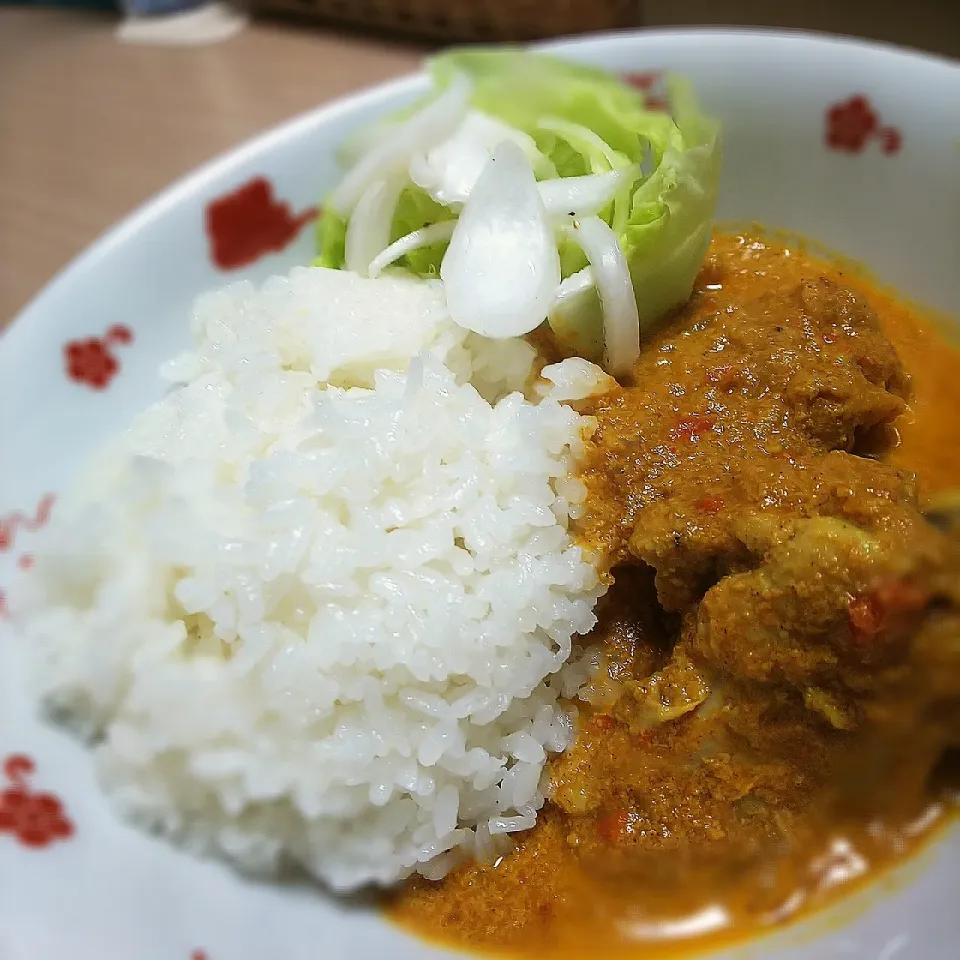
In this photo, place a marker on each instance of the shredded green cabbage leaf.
(584, 121)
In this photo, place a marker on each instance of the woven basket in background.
(464, 20)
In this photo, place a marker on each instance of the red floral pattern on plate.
(92, 361)
(249, 223)
(853, 123)
(890, 139)
(651, 84)
(34, 819)
(12, 522)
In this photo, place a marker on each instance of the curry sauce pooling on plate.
(781, 644)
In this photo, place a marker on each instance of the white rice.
(314, 605)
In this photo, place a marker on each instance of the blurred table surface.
(90, 128)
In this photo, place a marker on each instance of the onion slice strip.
(434, 123)
(576, 316)
(574, 285)
(424, 237)
(585, 140)
(501, 269)
(586, 196)
(448, 171)
(621, 319)
(368, 229)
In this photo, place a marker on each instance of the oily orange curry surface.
(780, 700)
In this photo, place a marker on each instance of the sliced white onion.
(574, 285)
(368, 229)
(621, 320)
(502, 267)
(435, 122)
(586, 196)
(449, 170)
(362, 141)
(424, 237)
(583, 140)
(576, 316)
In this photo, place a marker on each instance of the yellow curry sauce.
(780, 640)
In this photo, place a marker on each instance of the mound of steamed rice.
(319, 603)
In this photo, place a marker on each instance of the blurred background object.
(932, 25)
(929, 24)
(180, 23)
(466, 20)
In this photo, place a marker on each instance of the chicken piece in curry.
(780, 685)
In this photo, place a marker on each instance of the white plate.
(855, 145)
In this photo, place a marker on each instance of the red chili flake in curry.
(872, 612)
(692, 427)
(614, 827)
(602, 721)
(723, 375)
